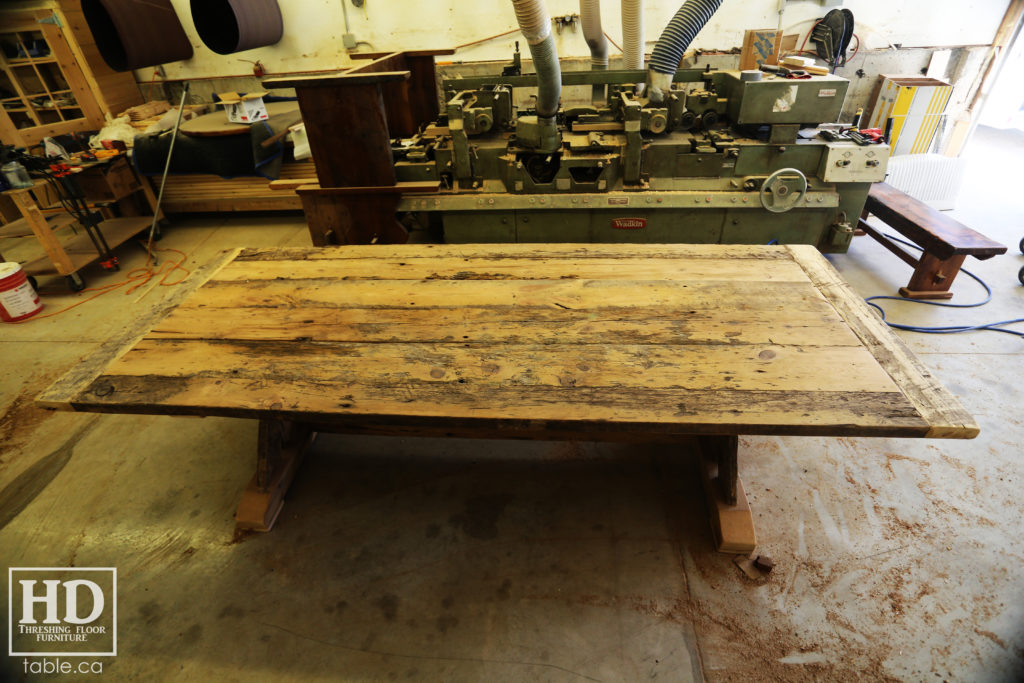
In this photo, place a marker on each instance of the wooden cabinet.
(52, 80)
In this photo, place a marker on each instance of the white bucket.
(18, 300)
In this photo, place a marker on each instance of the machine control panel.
(846, 162)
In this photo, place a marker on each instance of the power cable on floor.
(135, 278)
(949, 329)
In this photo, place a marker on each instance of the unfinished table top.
(642, 340)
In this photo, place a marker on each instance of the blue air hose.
(948, 329)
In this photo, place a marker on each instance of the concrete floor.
(405, 559)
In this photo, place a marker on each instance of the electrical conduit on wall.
(677, 36)
(535, 23)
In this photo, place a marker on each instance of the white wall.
(313, 29)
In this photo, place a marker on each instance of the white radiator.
(931, 178)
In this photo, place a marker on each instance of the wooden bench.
(945, 242)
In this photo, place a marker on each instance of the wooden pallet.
(195, 193)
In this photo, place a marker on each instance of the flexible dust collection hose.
(535, 23)
(677, 36)
(632, 34)
(590, 17)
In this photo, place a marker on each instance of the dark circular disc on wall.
(133, 35)
(228, 26)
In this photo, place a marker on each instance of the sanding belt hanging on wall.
(227, 26)
(134, 34)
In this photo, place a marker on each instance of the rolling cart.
(105, 183)
(1020, 273)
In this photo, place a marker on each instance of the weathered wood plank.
(936, 405)
(483, 367)
(463, 268)
(586, 411)
(675, 297)
(61, 393)
(627, 252)
(509, 325)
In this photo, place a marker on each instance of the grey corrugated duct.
(227, 26)
(632, 34)
(134, 34)
(535, 22)
(677, 36)
(590, 17)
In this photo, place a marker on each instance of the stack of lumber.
(145, 115)
(147, 111)
(198, 192)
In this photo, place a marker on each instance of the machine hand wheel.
(783, 190)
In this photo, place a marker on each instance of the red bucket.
(17, 298)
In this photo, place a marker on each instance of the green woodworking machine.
(657, 155)
(719, 160)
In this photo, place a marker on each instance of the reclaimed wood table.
(644, 343)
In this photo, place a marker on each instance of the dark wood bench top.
(932, 230)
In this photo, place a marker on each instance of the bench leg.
(731, 519)
(279, 452)
(933, 277)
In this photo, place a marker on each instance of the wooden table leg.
(351, 219)
(731, 519)
(933, 277)
(280, 448)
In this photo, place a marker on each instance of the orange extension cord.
(135, 279)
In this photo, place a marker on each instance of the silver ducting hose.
(632, 34)
(535, 23)
(590, 17)
(677, 36)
